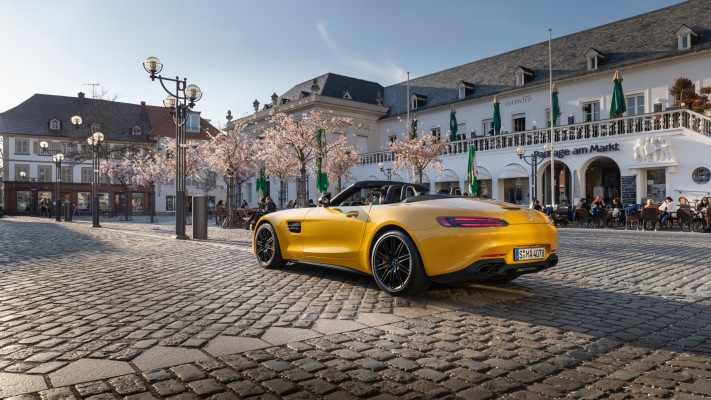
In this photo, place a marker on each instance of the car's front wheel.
(397, 266)
(266, 247)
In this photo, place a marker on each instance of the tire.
(266, 247)
(397, 266)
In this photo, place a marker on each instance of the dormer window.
(347, 96)
(686, 38)
(465, 89)
(594, 58)
(55, 124)
(95, 127)
(285, 100)
(135, 130)
(523, 75)
(417, 100)
(304, 94)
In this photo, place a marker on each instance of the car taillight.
(470, 222)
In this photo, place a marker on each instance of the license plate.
(529, 253)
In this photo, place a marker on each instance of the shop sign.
(522, 100)
(594, 148)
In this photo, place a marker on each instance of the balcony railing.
(654, 122)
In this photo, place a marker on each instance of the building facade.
(657, 148)
(30, 175)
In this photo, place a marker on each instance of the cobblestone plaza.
(126, 311)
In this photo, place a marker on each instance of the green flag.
(555, 106)
(262, 183)
(321, 177)
(497, 117)
(453, 127)
(617, 106)
(471, 172)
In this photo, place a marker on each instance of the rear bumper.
(495, 268)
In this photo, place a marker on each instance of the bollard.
(199, 217)
(68, 211)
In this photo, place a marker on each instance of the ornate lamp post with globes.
(387, 171)
(178, 102)
(547, 148)
(95, 142)
(57, 158)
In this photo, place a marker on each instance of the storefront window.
(169, 203)
(656, 184)
(516, 190)
(137, 202)
(104, 201)
(484, 190)
(83, 200)
(24, 201)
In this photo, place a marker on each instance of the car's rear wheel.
(397, 266)
(266, 247)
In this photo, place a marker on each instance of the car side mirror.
(324, 200)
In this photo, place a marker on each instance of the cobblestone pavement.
(126, 311)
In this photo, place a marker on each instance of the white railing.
(654, 122)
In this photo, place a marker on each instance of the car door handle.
(352, 214)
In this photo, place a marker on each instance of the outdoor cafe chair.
(600, 218)
(651, 216)
(633, 216)
(685, 218)
(582, 216)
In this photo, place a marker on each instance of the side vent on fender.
(294, 226)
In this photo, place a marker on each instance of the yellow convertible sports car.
(406, 238)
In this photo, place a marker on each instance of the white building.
(656, 149)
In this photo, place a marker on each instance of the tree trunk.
(152, 201)
(303, 202)
(230, 199)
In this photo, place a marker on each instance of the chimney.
(81, 99)
(143, 114)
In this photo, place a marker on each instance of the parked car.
(407, 238)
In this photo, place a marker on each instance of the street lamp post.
(387, 171)
(95, 143)
(178, 102)
(58, 158)
(535, 157)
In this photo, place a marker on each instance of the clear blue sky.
(238, 51)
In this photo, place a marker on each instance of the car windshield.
(361, 197)
(376, 193)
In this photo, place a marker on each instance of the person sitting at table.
(261, 207)
(597, 205)
(616, 209)
(683, 202)
(701, 208)
(290, 204)
(269, 205)
(651, 204)
(221, 212)
(536, 206)
(666, 208)
(244, 204)
(583, 203)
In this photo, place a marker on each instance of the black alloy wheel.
(397, 266)
(266, 247)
